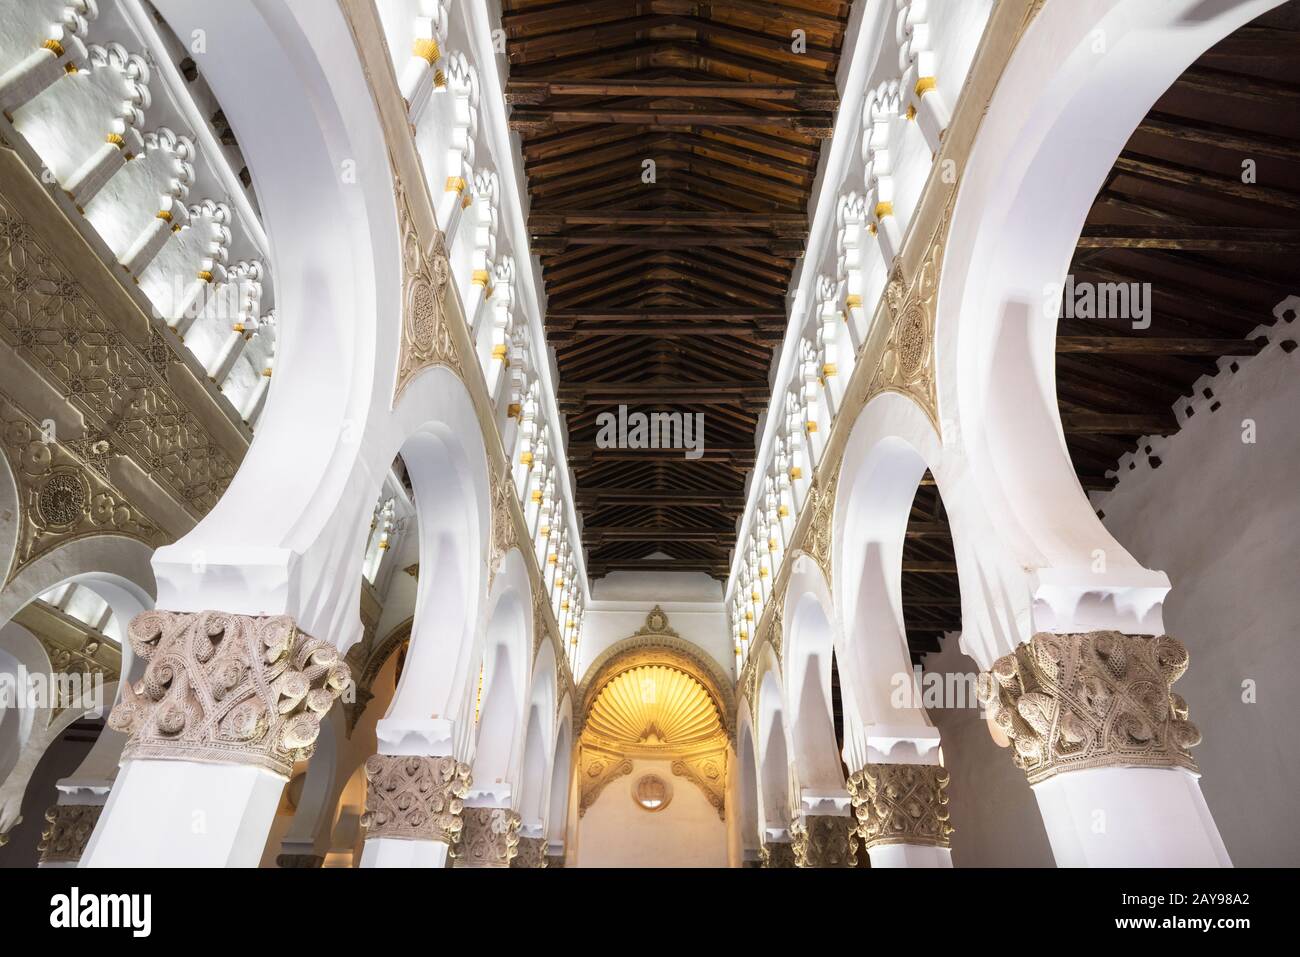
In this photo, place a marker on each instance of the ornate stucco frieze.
(67, 832)
(901, 804)
(821, 840)
(60, 498)
(531, 852)
(596, 770)
(503, 496)
(115, 377)
(415, 798)
(426, 335)
(708, 772)
(1097, 699)
(490, 837)
(237, 689)
(907, 361)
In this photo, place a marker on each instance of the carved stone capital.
(901, 804)
(234, 689)
(490, 837)
(530, 853)
(67, 831)
(821, 840)
(776, 854)
(1098, 699)
(414, 797)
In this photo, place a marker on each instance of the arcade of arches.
(554, 433)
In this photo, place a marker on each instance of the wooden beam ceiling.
(670, 148)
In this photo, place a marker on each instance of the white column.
(215, 815)
(228, 704)
(1105, 743)
(1129, 817)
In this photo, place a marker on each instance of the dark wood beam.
(1119, 423)
(1191, 238)
(556, 244)
(728, 314)
(550, 222)
(542, 119)
(661, 331)
(1222, 137)
(654, 533)
(1174, 174)
(1144, 345)
(929, 568)
(808, 96)
(714, 391)
(602, 566)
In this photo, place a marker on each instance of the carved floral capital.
(901, 804)
(238, 689)
(530, 853)
(821, 840)
(490, 837)
(67, 832)
(777, 854)
(1098, 699)
(414, 797)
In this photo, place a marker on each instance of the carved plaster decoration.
(426, 335)
(776, 632)
(776, 854)
(67, 832)
(531, 852)
(415, 798)
(708, 772)
(749, 682)
(657, 641)
(907, 363)
(819, 539)
(821, 840)
(901, 804)
(490, 837)
(501, 490)
(1097, 699)
(60, 499)
(117, 382)
(237, 689)
(73, 647)
(596, 770)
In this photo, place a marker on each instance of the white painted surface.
(1222, 517)
(617, 832)
(703, 623)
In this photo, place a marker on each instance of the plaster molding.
(900, 804)
(415, 797)
(231, 689)
(1090, 700)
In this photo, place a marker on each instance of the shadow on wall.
(993, 810)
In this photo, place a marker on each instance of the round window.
(652, 792)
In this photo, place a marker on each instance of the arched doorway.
(653, 755)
